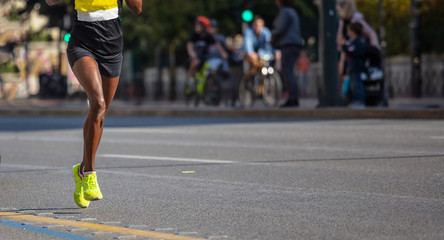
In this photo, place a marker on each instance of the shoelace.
(90, 181)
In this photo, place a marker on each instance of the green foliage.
(307, 9)
(167, 22)
(8, 67)
(171, 21)
(14, 15)
(432, 26)
(41, 36)
(397, 19)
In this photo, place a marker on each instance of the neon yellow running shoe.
(91, 189)
(78, 193)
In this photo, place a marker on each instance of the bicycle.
(207, 87)
(265, 83)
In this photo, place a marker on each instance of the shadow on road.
(52, 210)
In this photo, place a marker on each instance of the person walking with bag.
(95, 55)
(348, 14)
(355, 51)
(286, 36)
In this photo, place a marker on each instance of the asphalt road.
(190, 178)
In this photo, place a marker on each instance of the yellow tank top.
(95, 5)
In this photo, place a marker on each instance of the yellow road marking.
(95, 227)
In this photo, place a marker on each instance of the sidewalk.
(399, 108)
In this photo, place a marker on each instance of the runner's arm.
(134, 5)
(52, 2)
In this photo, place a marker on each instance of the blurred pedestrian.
(286, 36)
(355, 52)
(95, 55)
(303, 63)
(348, 13)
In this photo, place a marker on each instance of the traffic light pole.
(328, 90)
(388, 88)
(416, 82)
(59, 69)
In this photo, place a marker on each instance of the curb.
(322, 113)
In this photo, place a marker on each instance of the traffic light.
(67, 37)
(247, 15)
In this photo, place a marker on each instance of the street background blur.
(170, 171)
(33, 39)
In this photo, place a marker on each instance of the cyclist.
(214, 56)
(198, 46)
(215, 59)
(256, 42)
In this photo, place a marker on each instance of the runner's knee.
(98, 109)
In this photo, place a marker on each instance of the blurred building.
(29, 50)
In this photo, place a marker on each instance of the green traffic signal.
(247, 15)
(67, 37)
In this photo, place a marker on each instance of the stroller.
(374, 79)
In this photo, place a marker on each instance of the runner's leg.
(109, 86)
(88, 74)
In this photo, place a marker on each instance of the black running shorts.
(101, 40)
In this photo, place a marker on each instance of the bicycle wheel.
(188, 95)
(272, 89)
(212, 90)
(229, 90)
(246, 92)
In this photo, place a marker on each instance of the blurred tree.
(168, 23)
(432, 26)
(397, 24)
(397, 19)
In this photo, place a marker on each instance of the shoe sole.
(80, 205)
(94, 198)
